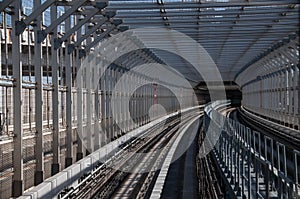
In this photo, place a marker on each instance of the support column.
(80, 148)
(277, 92)
(97, 143)
(103, 106)
(290, 97)
(140, 102)
(121, 100)
(126, 98)
(271, 88)
(55, 168)
(89, 105)
(108, 104)
(1, 57)
(118, 103)
(134, 101)
(286, 95)
(297, 96)
(282, 92)
(18, 184)
(112, 103)
(38, 74)
(69, 137)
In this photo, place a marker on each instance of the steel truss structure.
(271, 84)
(233, 32)
(47, 106)
(49, 112)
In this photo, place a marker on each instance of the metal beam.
(37, 11)
(227, 26)
(59, 41)
(108, 15)
(99, 38)
(207, 12)
(90, 31)
(196, 5)
(43, 33)
(95, 3)
(4, 4)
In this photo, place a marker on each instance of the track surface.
(132, 179)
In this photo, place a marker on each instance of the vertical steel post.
(107, 105)
(249, 132)
(126, 90)
(129, 96)
(38, 74)
(79, 153)
(1, 54)
(285, 169)
(139, 102)
(231, 159)
(62, 83)
(68, 65)
(267, 179)
(55, 102)
(277, 95)
(243, 168)
(136, 98)
(282, 101)
(121, 116)
(1, 99)
(272, 160)
(279, 170)
(290, 96)
(89, 129)
(18, 186)
(109, 100)
(143, 96)
(119, 103)
(238, 158)
(112, 102)
(286, 95)
(227, 151)
(296, 97)
(95, 86)
(296, 154)
(103, 106)
(131, 99)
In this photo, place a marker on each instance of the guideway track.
(103, 183)
(209, 186)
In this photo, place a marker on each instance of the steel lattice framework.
(234, 32)
(254, 43)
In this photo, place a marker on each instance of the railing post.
(296, 154)
(249, 132)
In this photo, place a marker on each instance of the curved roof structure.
(233, 32)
